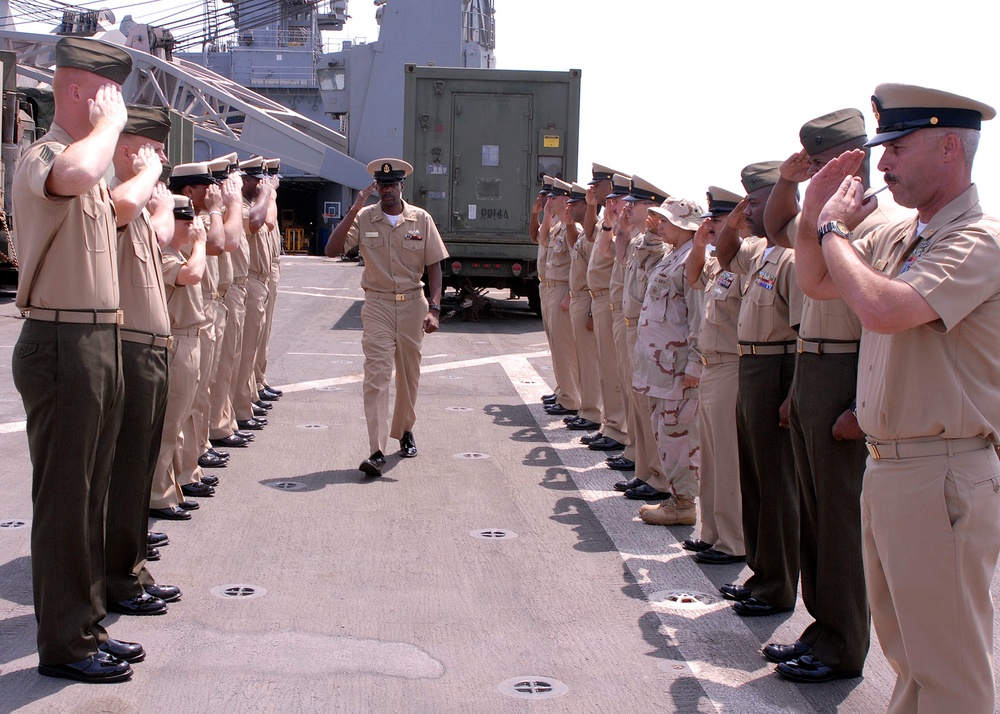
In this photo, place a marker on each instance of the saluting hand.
(213, 198)
(737, 219)
(703, 236)
(197, 231)
(146, 159)
(840, 192)
(107, 108)
(364, 193)
(796, 167)
(160, 199)
(231, 192)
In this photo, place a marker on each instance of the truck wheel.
(534, 299)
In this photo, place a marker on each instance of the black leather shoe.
(582, 424)
(588, 439)
(209, 460)
(606, 443)
(198, 490)
(173, 513)
(645, 492)
(152, 553)
(220, 454)
(231, 441)
(259, 412)
(139, 605)
(372, 466)
(549, 399)
(96, 669)
(273, 390)
(250, 424)
(626, 485)
(189, 505)
(157, 540)
(210, 480)
(558, 409)
(752, 607)
(268, 395)
(621, 464)
(125, 651)
(266, 406)
(407, 446)
(783, 653)
(717, 557)
(243, 434)
(810, 670)
(167, 593)
(695, 544)
(732, 591)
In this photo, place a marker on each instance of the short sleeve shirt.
(557, 259)
(396, 256)
(143, 296)
(771, 309)
(184, 302)
(579, 255)
(601, 261)
(68, 244)
(723, 294)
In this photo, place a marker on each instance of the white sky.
(687, 93)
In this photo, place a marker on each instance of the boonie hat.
(682, 212)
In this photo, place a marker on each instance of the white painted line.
(13, 427)
(334, 297)
(322, 354)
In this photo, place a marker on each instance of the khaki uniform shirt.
(241, 258)
(184, 302)
(557, 259)
(941, 379)
(395, 257)
(260, 254)
(600, 265)
(67, 246)
(579, 259)
(225, 272)
(667, 344)
(644, 252)
(772, 306)
(723, 294)
(143, 296)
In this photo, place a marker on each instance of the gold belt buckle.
(119, 318)
(400, 297)
(872, 449)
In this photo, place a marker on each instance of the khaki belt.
(631, 321)
(77, 317)
(716, 359)
(820, 347)
(260, 277)
(578, 293)
(221, 295)
(916, 448)
(598, 293)
(190, 332)
(757, 349)
(146, 338)
(397, 297)
(241, 281)
(615, 306)
(210, 295)
(555, 283)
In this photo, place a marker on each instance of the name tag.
(371, 234)
(765, 280)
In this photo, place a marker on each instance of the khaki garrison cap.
(620, 183)
(183, 208)
(100, 58)
(196, 174)
(832, 130)
(577, 193)
(560, 188)
(682, 212)
(901, 109)
(254, 167)
(642, 190)
(600, 173)
(149, 122)
(389, 171)
(760, 175)
(721, 202)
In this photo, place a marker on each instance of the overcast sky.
(685, 94)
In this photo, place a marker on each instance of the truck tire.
(534, 299)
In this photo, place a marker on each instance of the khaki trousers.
(721, 503)
(69, 378)
(589, 379)
(182, 384)
(563, 347)
(253, 330)
(612, 404)
(675, 428)
(223, 416)
(647, 461)
(260, 365)
(620, 332)
(931, 535)
(196, 426)
(392, 333)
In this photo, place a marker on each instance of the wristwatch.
(838, 227)
(433, 306)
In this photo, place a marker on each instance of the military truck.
(480, 140)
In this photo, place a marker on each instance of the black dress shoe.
(645, 492)
(810, 670)
(588, 439)
(167, 593)
(209, 460)
(249, 424)
(266, 406)
(157, 539)
(558, 409)
(209, 480)
(268, 395)
(152, 553)
(232, 441)
(621, 464)
(695, 544)
(626, 485)
(783, 653)
(96, 668)
(717, 557)
(220, 454)
(732, 591)
(125, 651)
(197, 490)
(606, 443)
(582, 424)
(139, 605)
(172, 513)
(407, 446)
(248, 435)
(752, 607)
(189, 505)
(549, 399)
(259, 412)
(273, 390)
(372, 466)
